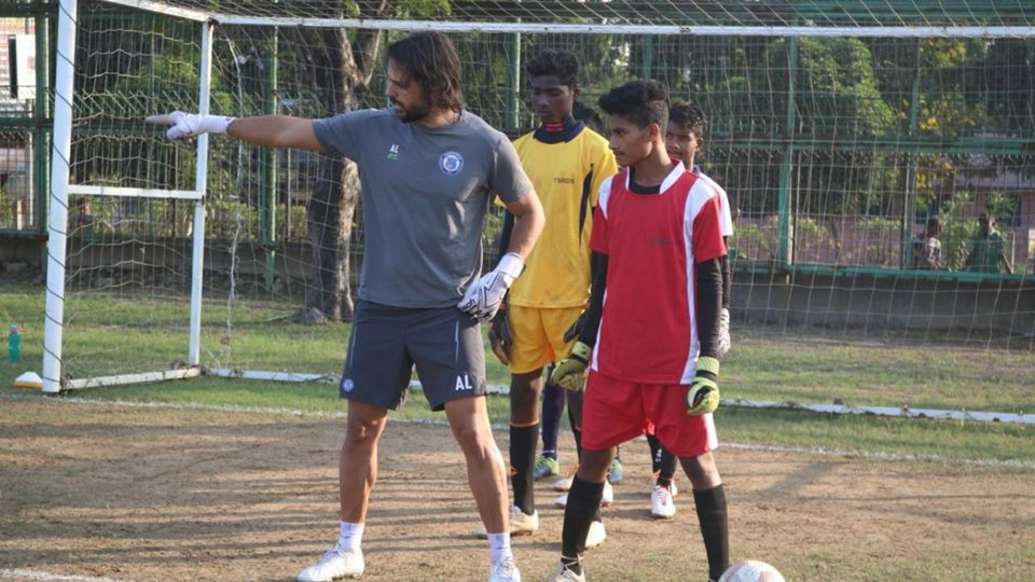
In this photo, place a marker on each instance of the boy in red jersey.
(651, 336)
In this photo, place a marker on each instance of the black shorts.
(445, 345)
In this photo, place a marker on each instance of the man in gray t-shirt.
(424, 199)
(429, 170)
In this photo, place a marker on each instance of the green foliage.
(755, 242)
(7, 209)
(165, 82)
(958, 226)
(835, 89)
(882, 234)
(1001, 205)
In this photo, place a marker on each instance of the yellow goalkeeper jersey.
(566, 169)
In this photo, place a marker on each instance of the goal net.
(839, 130)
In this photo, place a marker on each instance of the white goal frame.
(61, 189)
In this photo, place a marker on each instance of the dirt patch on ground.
(161, 494)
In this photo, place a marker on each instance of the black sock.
(655, 453)
(573, 564)
(668, 464)
(711, 513)
(576, 431)
(583, 504)
(553, 406)
(522, 459)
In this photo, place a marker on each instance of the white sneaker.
(605, 501)
(672, 484)
(565, 575)
(336, 563)
(520, 524)
(564, 483)
(505, 571)
(661, 504)
(597, 534)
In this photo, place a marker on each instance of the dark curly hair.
(688, 117)
(430, 59)
(587, 115)
(641, 102)
(562, 64)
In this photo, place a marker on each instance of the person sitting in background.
(927, 249)
(986, 249)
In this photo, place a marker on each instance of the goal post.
(838, 133)
(53, 379)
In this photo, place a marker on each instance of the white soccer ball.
(751, 571)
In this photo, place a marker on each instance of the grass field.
(216, 479)
(762, 366)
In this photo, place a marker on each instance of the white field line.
(48, 577)
(816, 451)
(960, 415)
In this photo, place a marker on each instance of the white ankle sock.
(499, 547)
(351, 536)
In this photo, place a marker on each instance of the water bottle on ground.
(14, 344)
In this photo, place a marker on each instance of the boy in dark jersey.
(651, 336)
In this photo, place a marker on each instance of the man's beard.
(414, 113)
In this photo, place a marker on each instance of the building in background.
(17, 99)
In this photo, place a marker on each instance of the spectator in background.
(927, 249)
(986, 249)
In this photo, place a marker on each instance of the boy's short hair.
(641, 102)
(688, 117)
(561, 64)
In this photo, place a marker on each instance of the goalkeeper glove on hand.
(500, 337)
(703, 395)
(484, 297)
(185, 125)
(570, 372)
(724, 332)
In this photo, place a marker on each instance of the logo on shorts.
(463, 383)
(347, 384)
(451, 163)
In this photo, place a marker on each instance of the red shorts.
(615, 412)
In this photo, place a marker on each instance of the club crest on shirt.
(451, 163)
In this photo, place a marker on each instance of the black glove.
(499, 335)
(576, 328)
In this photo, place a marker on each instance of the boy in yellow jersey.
(567, 164)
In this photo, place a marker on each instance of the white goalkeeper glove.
(484, 296)
(185, 125)
(724, 332)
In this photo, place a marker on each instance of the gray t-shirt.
(425, 196)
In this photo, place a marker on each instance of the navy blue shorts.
(387, 343)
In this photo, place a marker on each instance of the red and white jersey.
(725, 215)
(648, 329)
